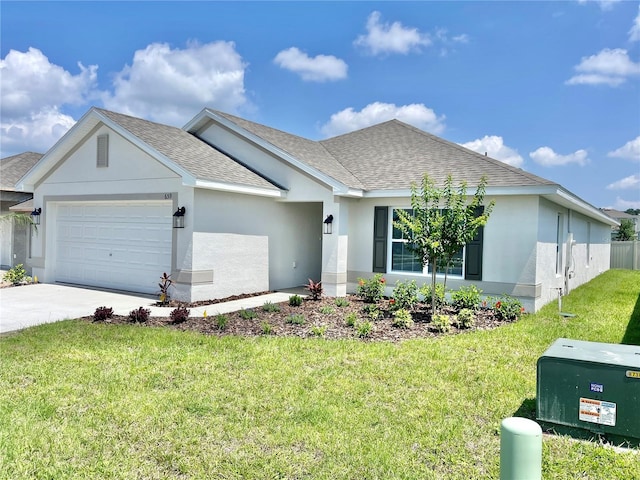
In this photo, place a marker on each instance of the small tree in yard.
(626, 232)
(443, 221)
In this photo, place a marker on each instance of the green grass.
(81, 400)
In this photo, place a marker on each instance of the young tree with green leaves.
(442, 222)
(626, 231)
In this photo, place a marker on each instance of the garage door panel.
(120, 245)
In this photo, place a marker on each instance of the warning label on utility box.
(598, 411)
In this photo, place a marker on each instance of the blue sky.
(550, 87)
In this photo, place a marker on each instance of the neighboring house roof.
(13, 168)
(618, 215)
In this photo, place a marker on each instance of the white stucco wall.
(588, 257)
(267, 244)
(519, 248)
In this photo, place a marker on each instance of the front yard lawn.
(87, 400)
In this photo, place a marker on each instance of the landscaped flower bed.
(366, 316)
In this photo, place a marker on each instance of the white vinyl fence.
(625, 255)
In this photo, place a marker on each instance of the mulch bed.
(333, 320)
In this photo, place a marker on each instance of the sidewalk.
(29, 305)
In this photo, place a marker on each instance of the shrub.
(442, 323)
(372, 289)
(221, 321)
(179, 315)
(295, 300)
(16, 275)
(466, 297)
(342, 302)
(466, 318)
(266, 327)
(270, 307)
(351, 320)
(364, 329)
(402, 318)
(296, 319)
(405, 295)
(319, 330)
(315, 289)
(248, 314)
(326, 310)
(165, 283)
(372, 311)
(102, 313)
(508, 308)
(141, 315)
(425, 291)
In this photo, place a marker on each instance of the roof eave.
(553, 192)
(242, 189)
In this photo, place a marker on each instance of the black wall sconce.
(35, 216)
(328, 224)
(178, 218)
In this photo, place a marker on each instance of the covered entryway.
(119, 245)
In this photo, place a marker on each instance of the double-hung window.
(404, 260)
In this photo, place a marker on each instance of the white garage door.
(118, 245)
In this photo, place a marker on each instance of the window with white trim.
(404, 260)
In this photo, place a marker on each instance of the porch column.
(334, 249)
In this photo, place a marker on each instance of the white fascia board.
(326, 179)
(569, 200)
(242, 189)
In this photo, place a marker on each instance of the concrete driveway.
(29, 305)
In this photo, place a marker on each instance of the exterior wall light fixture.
(178, 218)
(35, 215)
(328, 224)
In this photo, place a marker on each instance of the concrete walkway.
(29, 305)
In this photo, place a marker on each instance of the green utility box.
(590, 389)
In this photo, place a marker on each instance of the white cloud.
(33, 90)
(546, 157)
(629, 151)
(610, 66)
(494, 147)
(37, 132)
(390, 38)
(605, 5)
(634, 32)
(623, 205)
(320, 68)
(632, 181)
(171, 85)
(418, 115)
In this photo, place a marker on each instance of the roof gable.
(200, 159)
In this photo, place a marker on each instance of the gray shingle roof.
(13, 168)
(308, 151)
(392, 155)
(191, 153)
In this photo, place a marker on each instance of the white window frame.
(426, 271)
